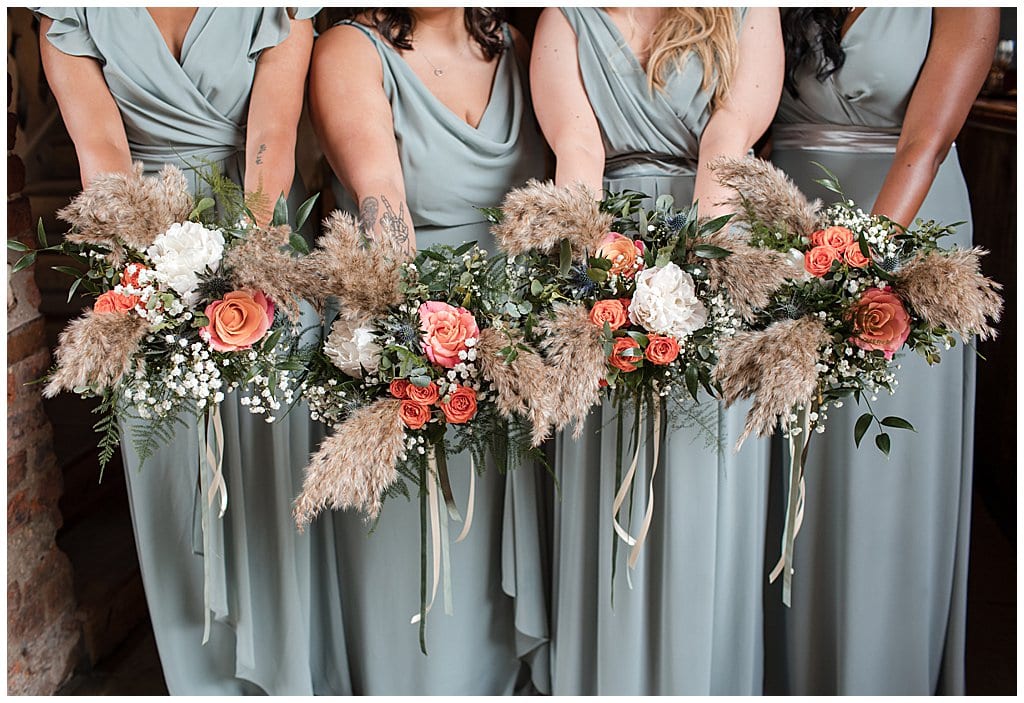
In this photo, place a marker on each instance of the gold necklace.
(439, 72)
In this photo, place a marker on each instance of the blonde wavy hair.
(709, 32)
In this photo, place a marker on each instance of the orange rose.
(115, 302)
(427, 395)
(853, 257)
(413, 414)
(399, 388)
(611, 311)
(624, 363)
(445, 331)
(461, 405)
(238, 320)
(880, 322)
(130, 275)
(623, 252)
(661, 350)
(835, 236)
(819, 260)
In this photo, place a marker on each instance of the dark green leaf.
(271, 341)
(298, 243)
(202, 206)
(536, 287)
(304, 210)
(692, 379)
(898, 422)
(564, 257)
(715, 224)
(15, 245)
(280, 212)
(709, 251)
(863, 423)
(24, 262)
(597, 275)
(41, 232)
(882, 442)
(862, 244)
(494, 215)
(664, 201)
(69, 270)
(463, 248)
(74, 286)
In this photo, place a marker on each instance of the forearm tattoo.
(368, 213)
(259, 154)
(394, 225)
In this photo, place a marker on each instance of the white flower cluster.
(263, 399)
(328, 403)
(184, 251)
(191, 373)
(353, 348)
(666, 302)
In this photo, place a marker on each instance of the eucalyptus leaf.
(710, 251)
(420, 381)
(202, 206)
(564, 257)
(536, 287)
(597, 275)
(304, 210)
(714, 225)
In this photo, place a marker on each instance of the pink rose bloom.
(880, 321)
(237, 321)
(445, 331)
(625, 254)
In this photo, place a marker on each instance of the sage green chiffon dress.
(879, 589)
(691, 623)
(272, 592)
(498, 631)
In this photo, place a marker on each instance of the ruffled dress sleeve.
(273, 25)
(69, 32)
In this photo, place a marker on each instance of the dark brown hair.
(395, 25)
(812, 34)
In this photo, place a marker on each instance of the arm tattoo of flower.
(368, 213)
(394, 225)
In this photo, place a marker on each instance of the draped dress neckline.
(186, 42)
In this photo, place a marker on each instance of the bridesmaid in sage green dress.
(421, 126)
(624, 107)
(225, 85)
(880, 574)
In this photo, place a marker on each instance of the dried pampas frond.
(540, 215)
(259, 263)
(128, 208)
(576, 364)
(947, 289)
(775, 366)
(365, 279)
(521, 385)
(355, 465)
(763, 193)
(750, 274)
(96, 350)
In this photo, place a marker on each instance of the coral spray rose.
(624, 253)
(413, 414)
(624, 363)
(880, 322)
(661, 350)
(461, 405)
(399, 388)
(238, 320)
(130, 275)
(818, 261)
(611, 311)
(446, 329)
(115, 302)
(835, 236)
(853, 256)
(427, 395)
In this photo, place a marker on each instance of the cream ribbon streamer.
(435, 533)
(215, 459)
(620, 496)
(637, 542)
(470, 503)
(211, 463)
(794, 503)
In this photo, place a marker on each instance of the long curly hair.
(813, 34)
(396, 25)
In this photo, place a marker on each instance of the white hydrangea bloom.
(665, 302)
(353, 348)
(184, 251)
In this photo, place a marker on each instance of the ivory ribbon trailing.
(211, 464)
(637, 542)
(798, 444)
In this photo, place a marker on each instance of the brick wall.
(42, 629)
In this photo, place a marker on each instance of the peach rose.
(853, 257)
(399, 388)
(818, 260)
(461, 405)
(661, 350)
(624, 253)
(413, 414)
(130, 275)
(611, 311)
(427, 395)
(624, 363)
(835, 236)
(115, 302)
(238, 320)
(445, 331)
(880, 321)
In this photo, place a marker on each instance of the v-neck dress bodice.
(880, 578)
(272, 592)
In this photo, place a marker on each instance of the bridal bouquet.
(863, 290)
(631, 300)
(419, 365)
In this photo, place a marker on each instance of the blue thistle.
(891, 264)
(675, 222)
(580, 283)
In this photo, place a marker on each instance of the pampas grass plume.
(750, 274)
(576, 364)
(259, 263)
(762, 192)
(95, 351)
(539, 215)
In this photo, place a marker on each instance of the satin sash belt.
(850, 139)
(639, 165)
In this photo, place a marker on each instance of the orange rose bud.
(817, 238)
(238, 320)
(399, 388)
(413, 414)
(624, 363)
(115, 302)
(836, 237)
(623, 252)
(818, 261)
(880, 322)
(611, 311)
(661, 350)
(461, 405)
(853, 257)
(427, 395)
(130, 275)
